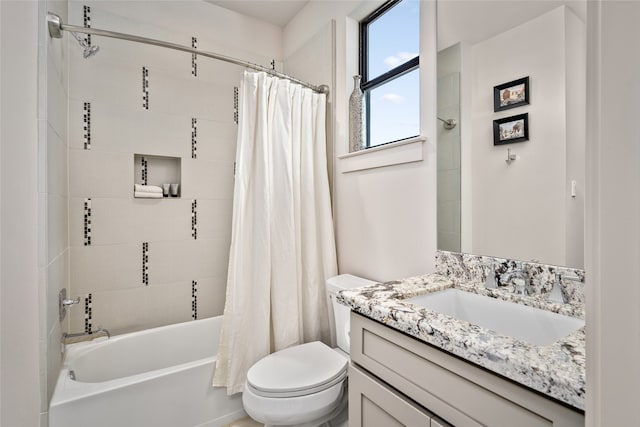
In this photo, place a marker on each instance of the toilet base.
(337, 417)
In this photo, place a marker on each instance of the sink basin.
(536, 326)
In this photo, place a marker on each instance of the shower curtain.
(282, 244)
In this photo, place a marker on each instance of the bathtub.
(157, 377)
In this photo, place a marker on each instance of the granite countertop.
(557, 370)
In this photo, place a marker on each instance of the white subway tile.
(57, 279)
(211, 296)
(76, 221)
(54, 360)
(197, 98)
(216, 141)
(207, 180)
(57, 225)
(57, 103)
(57, 167)
(100, 174)
(43, 321)
(105, 83)
(183, 260)
(214, 218)
(168, 303)
(119, 311)
(106, 267)
(138, 220)
(43, 234)
(43, 129)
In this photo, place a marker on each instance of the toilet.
(305, 385)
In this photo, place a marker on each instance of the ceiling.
(277, 12)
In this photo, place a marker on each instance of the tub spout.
(79, 337)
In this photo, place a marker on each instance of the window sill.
(396, 153)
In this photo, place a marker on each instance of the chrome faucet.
(557, 294)
(520, 280)
(80, 337)
(491, 281)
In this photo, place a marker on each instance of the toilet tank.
(341, 312)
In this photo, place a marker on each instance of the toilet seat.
(297, 371)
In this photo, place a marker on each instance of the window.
(389, 62)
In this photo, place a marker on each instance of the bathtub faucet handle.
(69, 302)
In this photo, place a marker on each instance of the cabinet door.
(449, 387)
(373, 404)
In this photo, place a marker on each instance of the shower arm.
(56, 26)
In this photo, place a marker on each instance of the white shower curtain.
(282, 244)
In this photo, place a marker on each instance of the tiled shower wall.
(141, 263)
(53, 251)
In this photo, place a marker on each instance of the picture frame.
(511, 129)
(511, 94)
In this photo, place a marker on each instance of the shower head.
(89, 50)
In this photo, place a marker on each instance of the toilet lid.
(297, 371)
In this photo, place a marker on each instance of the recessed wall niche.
(157, 170)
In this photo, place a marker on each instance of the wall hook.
(510, 157)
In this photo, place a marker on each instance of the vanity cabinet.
(374, 404)
(394, 376)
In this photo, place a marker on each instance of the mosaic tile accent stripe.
(194, 138)
(194, 300)
(144, 170)
(145, 88)
(236, 104)
(145, 263)
(194, 63)
(194, 219)
(87, 22)
(87, 222)
(86, 123)
(88, 313)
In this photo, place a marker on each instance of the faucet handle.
(69, 302)
(491, 281)
(63, 303)
(556, 294)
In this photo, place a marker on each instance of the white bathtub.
(158, 377)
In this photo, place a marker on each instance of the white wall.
(612, 240)
(19, 313)
(385, 217)
(519, 210)
(576, 85)
(110, 268)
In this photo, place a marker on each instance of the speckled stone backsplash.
(469, 268)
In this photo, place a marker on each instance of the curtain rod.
(56, 26)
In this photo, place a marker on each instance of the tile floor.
(244, 422)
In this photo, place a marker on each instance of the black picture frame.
(515, 94)
(511, 129)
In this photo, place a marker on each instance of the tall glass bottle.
(356, 124)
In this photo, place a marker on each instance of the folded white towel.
(147, 188)
(147, 195)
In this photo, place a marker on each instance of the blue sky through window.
(393, 39)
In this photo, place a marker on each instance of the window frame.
(367, 85)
